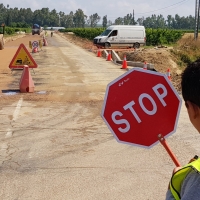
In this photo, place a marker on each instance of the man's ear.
(193, 109)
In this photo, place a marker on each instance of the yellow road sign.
(22, 57)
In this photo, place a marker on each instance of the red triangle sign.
(22, 57)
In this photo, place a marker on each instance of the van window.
(114, 33)
(106, 32)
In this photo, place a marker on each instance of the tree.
(61, 16)
(169, 21)
(119, 21)
(8, 20)
(140, 21)
(129, 20)
(154, 22)
(104, 23)
(109, 23)
(45, 15)
(161, 21)
(15, 12)
(79, 19)
(126, 20)
(54, 18)
(69, 20)
(133, 22)
(93, 20)
(177, 20)
(21, 17)
(2, 11)
(37, 17)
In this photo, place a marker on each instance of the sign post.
(169, 151)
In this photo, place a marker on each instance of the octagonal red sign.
(140, 105)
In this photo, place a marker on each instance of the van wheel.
(1, 45)
(107, 45)
(136, 45)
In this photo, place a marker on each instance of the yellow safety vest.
(179, 176)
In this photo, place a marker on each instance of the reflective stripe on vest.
(179, 176)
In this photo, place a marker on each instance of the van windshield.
(106, 32)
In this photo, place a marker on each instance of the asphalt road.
(55, 145)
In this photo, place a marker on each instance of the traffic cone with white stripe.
(44, 41)
(26, 83)
(168, 74)
(35, 50)
(145, 65)
(99, 53)
(109, 56)
(124, 64)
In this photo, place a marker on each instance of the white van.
(121, 36)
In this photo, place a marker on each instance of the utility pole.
(7, 15)
(196, 19)
(59, 19)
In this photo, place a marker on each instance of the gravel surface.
(54, 143)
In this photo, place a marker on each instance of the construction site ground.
(160, 57)
(54, 144)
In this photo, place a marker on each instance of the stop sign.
(140, 105)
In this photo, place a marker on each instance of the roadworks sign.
(22, 57)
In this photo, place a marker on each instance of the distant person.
(51, 33)
(185, 181)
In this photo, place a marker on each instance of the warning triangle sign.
(22, 57)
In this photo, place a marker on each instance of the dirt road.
(54, 143)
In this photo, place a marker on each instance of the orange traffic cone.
(124, 64)
(26, 83)
(145, 65)
(99, 53)
(168, 74)
(35, 50)
(109, 56)
(44, 42)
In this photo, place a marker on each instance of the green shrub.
(153, 36)
(9, 30)
(162, 36)
(185, 58)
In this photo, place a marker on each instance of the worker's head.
(191, 92)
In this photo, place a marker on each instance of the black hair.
(191, 83)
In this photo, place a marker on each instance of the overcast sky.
(111, 8)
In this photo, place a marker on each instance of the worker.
(185, 181)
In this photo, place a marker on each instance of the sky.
(112, 8)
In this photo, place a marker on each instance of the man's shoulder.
(190, 186)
